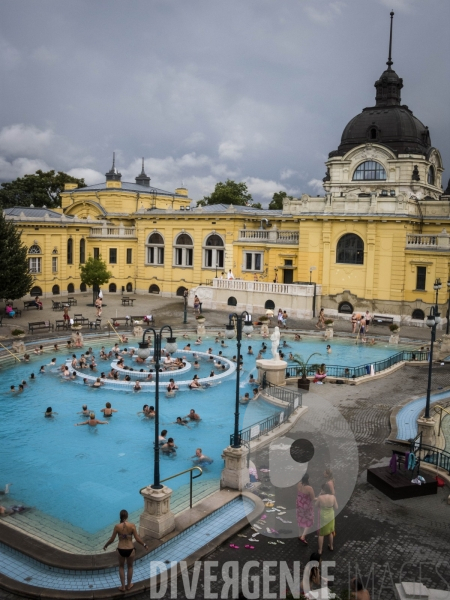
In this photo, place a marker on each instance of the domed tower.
(385, 149)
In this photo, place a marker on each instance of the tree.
(94, 273)
(39, 189)
(277, 200)
(16, 280)
(229, 192)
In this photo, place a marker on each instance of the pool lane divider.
(64, 573)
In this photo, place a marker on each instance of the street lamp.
(185, 294)
(144, 352)
(311, 269)
(235, 325)
(433, 320)
(448, 307)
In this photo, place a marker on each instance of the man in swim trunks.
(193, 416)
(201, 459)
(92, 422)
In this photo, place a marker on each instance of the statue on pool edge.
(275, 339)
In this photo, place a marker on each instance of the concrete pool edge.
(184, 520)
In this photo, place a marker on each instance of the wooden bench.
(40, 325)
(30, 304)
(120, 322)
(57, 305)
(62, 324)
(16, 310)
(141, 320)
(95, 324)
(80, 320)
(71, 301)
(127, 301)
(382, 320)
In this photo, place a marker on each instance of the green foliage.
(277, 200)
(94, 272)
(304, 364)
(39, 189)
(229, 192)
(17, 332)
(16, 280)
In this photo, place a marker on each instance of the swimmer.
(250, 350)
(209, 351)
(193, 416)
(26, 358)
(216, 341)
(252, 379)
(55, 347)
(123, 339)
(245, 398)
(85, 381)
(97, 383)
(259, 357)
(169, 447)
(42, 369)
(195, 383)
(172, 387)
(32, 376)
(182, 422)
(162, 437)
(329, 349)
(149, 377)
(297, 337)
(20, 388)
(74, 375)
(69, 344)
(196, 365)
(255, 393)
(108, 411)
(201, 459)
(151, 414)
(85, 411)
(137, 387)
(39, 350)
(212, 374)
(92, 421)
(285, 345)
(198, 341)
(49, 412)
(187, 347)
(52, 363)
(223, 345)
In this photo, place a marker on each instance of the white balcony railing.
(291, 289)
(268, 236)
(414, 240)
(113, 232)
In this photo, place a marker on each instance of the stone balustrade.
(269, 236)
(127, 232)
(440, 241)
(285, 289)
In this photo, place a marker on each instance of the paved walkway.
(394, 540)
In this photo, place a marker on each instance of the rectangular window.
(213, 258)
(129, 256)
(421, 278)
(54, 264)
(34, 265)
(96, 253)
(179, 256)
(253, 261)
(113, 256)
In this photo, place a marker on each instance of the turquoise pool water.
(84, 475)
(407, 416)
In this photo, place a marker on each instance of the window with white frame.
(155, 249)
(34, 249)
(213, 252)
(54, 264)
(34, 264)
(183, 251)
(253, 261)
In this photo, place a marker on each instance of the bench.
(57, 305)
(30, 304)
(382, 320)
(40, 325)
(119, 322)
(62, 324)
(71, 301)
(80, 320)
(16, 310)
(95, 324)
(126, 301)
(141, 320)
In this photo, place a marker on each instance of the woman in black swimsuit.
(125, 548)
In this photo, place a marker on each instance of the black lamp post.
(448, 308)
(236, 323)
(144, 352)
(433, 320)
(185, 306)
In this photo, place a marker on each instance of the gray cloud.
(259, 92)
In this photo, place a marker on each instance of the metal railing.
(191, 478)
(429, 454)
(292, 398)
(362, 370)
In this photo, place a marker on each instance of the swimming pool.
(83, 475)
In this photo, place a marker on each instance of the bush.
(17, 332)
(394, 327)
(329, 321)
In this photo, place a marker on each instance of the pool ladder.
(191, 478)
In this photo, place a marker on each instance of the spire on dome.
(143, 179)
(113, 174)
(389, 85)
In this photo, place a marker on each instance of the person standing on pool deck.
(125, 548)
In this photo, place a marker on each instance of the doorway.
(288, 271)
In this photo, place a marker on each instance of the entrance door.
(288, 274)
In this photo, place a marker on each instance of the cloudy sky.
(253, 90)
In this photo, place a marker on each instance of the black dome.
(393, 126)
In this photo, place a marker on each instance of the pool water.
(85, 475)
(407, 417)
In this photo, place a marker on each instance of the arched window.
(112, 287)
(270, 305)
(83, 287)
(418, 314)
(369, 170)
(82, 251)
(232, 301)
(70, 288)
(70, 251)
(213, 252)
(184, 251)
(55, 290)
(34, 249)
(181, 290)
(346, 308)
(129, 287)
(373, 133)
(350, 250)
(155, 249)
(36, 291)
(430, 176)
(154, 289)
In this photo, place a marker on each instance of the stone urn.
(329, 331)
(201, 325)
(395, 334)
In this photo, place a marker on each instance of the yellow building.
(375, 240)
